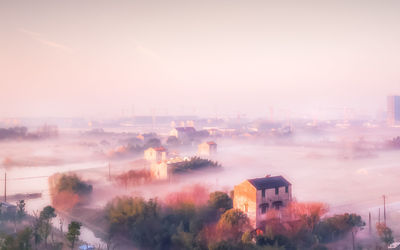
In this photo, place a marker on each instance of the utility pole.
(369, 222)
(5, 187)
(384, 209)
(379, 216)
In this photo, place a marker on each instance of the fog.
(349, 170)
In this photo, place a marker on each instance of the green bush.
(72, 183)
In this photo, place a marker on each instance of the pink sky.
(96, 58)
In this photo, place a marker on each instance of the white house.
(207, 148)
(155, 154)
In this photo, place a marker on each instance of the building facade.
(256, 197)
(155, 154)
(207, 148)
(183, 133)
(393, 110)
(160, 170)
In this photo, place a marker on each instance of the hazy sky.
(93, 58)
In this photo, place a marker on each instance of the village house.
(160, 170)
(183, 133)
(207, 148)
(155, 154)
(8, 209)
(256, 197)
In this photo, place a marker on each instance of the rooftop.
(269, 182)
(185, 129)
(160, 149)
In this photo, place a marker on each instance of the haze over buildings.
(393, 110)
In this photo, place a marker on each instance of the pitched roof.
(269, 182)
(160, 149)
(185, 129)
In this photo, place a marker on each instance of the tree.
(72, 183)
(308, 213)
(24, 239)
(172, 141)
(153, 143)
(233, 223)
(338, 226)
(9, 243)
(46, 215)
(36, 229)
(193, 164)
(220, 201)
(135, 218)
(74, 230)
(357, 224)
(21, 212)
(385, 233)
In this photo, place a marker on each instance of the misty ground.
(350, 173)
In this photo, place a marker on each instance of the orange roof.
(160, 149)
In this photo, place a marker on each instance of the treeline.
(133, 146)
(152, 224)
(43, 132)
(195, 163)
(394, 143)
(133, 177)
(68, 190)
(34, 231)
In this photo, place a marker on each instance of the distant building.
(140, 137)
(256, 197)
(207, 148)
(213, 131)
(160, 170)
(182, 132)
(393, 110)
(155, 154)
(8, 209)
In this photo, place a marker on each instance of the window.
(263, 193)
(264, 208)
(277, 204)
(276, 190)
(287, 189)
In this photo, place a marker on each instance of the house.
(256, 197)
(8, 209)
(212, 131)
(155, 154)
(207, 148)
(183, 133)
(160, 170)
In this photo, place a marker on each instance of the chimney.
(267, 176)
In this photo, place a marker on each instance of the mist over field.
(207, 125)
(347, 169)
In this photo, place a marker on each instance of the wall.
(245, 195)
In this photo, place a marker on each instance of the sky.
(110, 58)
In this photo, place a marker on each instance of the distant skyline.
(99, 58)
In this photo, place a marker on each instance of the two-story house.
(256, 197)
(155, 154)
(207, 148)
